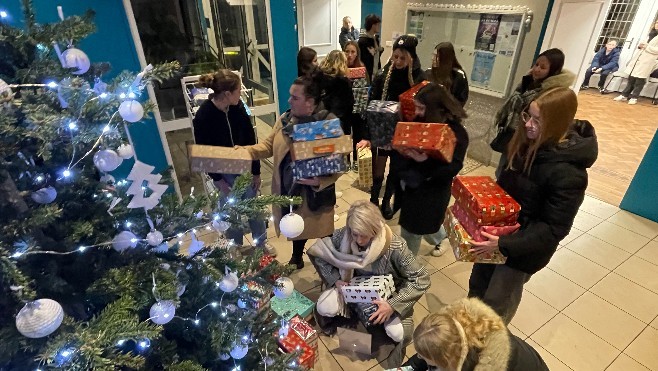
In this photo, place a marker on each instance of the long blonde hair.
(557, 109)
(334, 64)
(438, 338)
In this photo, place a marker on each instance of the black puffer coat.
(549, 196)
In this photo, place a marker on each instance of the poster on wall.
(482, 67)
(508, 34)
(485, 39)
(415, 26)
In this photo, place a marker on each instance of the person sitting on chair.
(605, 62)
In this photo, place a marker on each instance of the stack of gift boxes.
(297, 335)
(480, 205)
(363, 290)
(319, 148)
(360, 89)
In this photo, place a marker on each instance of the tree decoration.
(291, 225)
(154, 238)
(239, 351)
(221, 225)
(131, 110)
(124, 241)
(39, 318)
(44, 195)
(125, 151)
(195, 245)
(107, 179)
(284, 288)
(76, 59)
(162, 312)
(230, 281)
(107, 160)
(140, 174)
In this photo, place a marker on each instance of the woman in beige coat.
(304, 99)
(638, 70)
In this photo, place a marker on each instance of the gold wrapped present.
(321, 147)
(460, 241)
(222, 160)
(365, 167)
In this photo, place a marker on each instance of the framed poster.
(487, 32)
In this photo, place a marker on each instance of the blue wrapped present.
(316, 130)
(382, 117)
(296, 304)
(319, 166)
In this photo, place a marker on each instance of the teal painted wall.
(111, 43)
(286, 45)
(370, 7)
(641, 197)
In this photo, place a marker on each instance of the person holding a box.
(546, 174)
(426, 181)
(356, 121)
(305, 95)
(222, 120)
(367, 247)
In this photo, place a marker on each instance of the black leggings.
(298, 249)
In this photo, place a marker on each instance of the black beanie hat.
(408, 43)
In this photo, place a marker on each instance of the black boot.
(297, 254)
(374, 191)
(387, 211)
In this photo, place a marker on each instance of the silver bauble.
(125, 151)
(44, 195)
(124, 241)
(131, 110)
(154, 238)
(107, 160)
(162, 312)
(284, 288)
(76, 58)
(39, 318)
(239, 351)
(291, 225)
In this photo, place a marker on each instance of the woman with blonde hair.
(366, 246)
(546, 173)
(468, 335)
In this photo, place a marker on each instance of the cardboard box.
(222, 160)
(436, 140)
(485, 200)
(475, 228)
(382, 117)
(316, 130)
(354, 341)
(407, 106)
(365, 167)
(460, 241)
(319, 166)
(322, 147)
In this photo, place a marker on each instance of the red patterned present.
(461, 242)
(356, 73)
(293, 343)
(265, 260)
(305, 331)
(474, 228)
(483, 197)
(437, 140)
(407, 106)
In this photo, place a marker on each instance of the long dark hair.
(440, 105)
(305, 58)
(555, 59)
(442, 74)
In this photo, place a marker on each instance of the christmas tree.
(93, 269)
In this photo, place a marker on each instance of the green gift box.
(296, 304)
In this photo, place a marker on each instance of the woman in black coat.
(546, 174)
(426, 181)
(447, 71)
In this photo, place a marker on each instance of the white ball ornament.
(131, 110)
(125, 151)
(221, 225)
(229, 283)
(108, 179)
(180, 289)
(154, 238)
(291, 225)
(39, 318)
(107, 160)
(239, 351)
(242, 304)
(162, 312)
(44, 195)
(284, 288)
(76, 58)
(224, 356)
(124, 241)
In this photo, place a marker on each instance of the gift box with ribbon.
(475, 228)
(305, 331)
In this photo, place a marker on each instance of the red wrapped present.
(305, 331)
(407, 106)
(462, 242)
(265, 260)
(261, 299)
(356, 73)
(292, 343)
(475, 227)
(483, 197)
(437, 140)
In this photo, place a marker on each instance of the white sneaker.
(339, 194)
(620, 98)
(632, 101)
(439, 250)
(270, 250)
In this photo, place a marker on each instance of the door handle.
(630, 42)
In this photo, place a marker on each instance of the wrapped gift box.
(437, 140)
(474, 228)
(385, 280)
(316, 130)
(261, 296)
(356, 73)
(215, 159)
(360, 99)
(296, 304)
(363, 312)
(359, 83)
(368, 288)
(319, 166)
(305, 331)
(483, 197)
(460, 241)
(293, 343)
(365, 167)
(382, 117)
(322, 147)
(407, 106)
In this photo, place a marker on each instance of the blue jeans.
(413, 240)
(257, 226)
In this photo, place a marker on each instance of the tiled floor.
(595, 307)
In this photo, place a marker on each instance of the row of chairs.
(621, 75)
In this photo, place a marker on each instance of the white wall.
(351, 8)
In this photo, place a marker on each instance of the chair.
(654, 80)
(615, 75)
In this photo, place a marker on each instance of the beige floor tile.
(635, 223)
(352, 194)
(306, 278)
(423, 261)
(459, 272)
(626, 363)
(440, 262)
(348, 360)
(326, 361)
(553, 289)
(618, 236)
(553, 363)
(576, 268)
(516, 331)
(585, 221)
(574, 345)
(598, 251)
(443, 291)
(643, 349)
(532, 314)
(341, 206)
(605, 320)
(654, 323)
(628, 296)
(649, 252)
(641, 272)
(598, 207)
(573, 234)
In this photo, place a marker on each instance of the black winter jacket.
(337, 96)
(347, 35)
(459, 88)
(550, 196)
(215, 128)
(366, 41)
